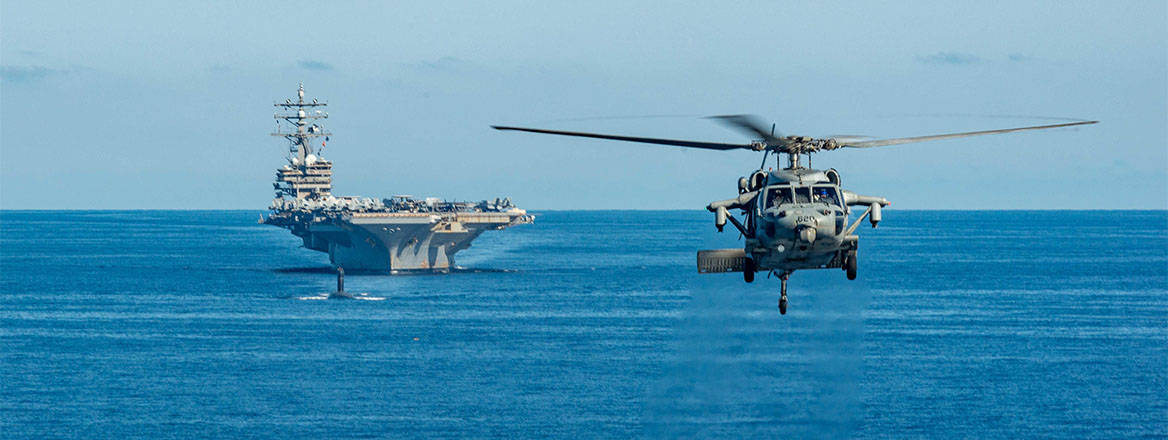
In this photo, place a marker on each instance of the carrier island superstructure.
(399, 233)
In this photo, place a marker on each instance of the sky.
(167, 105)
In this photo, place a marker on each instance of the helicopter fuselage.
(795, 218)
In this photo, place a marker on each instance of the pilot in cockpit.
(779, 196)
(825, 195)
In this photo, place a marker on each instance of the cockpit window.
(803, 195)
(825, 194)
(778, 196)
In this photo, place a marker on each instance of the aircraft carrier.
(394, 234)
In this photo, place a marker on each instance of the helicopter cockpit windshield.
(802, 194)
(778, 195)
(825, 194)
(782, 195)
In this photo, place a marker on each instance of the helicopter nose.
(795, 220)
(807, 225)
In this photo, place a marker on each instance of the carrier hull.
(395, 242)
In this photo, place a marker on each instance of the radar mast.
(307, 175)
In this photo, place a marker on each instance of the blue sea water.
(196, 324)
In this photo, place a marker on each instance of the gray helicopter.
(795, 218)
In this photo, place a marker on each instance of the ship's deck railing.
(366, 205)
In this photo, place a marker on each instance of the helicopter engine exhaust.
(832, 176)
(758, 180)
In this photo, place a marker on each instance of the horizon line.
(571, 210)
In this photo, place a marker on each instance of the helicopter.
(795, 217)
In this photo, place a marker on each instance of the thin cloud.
(949, 58)
(1018, 58)
(24, 74)
(314, 65)
(446, 63)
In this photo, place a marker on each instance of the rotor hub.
(804, 145)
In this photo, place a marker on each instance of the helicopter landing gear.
(783, 298)
(850, 265)
(748, 268)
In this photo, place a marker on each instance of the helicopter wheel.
(748, 268)
(850, 265)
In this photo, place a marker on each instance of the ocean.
(588, 324)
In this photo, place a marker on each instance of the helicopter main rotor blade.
(908, 140)
(849, 138)
(752, 125)
(673, 142)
